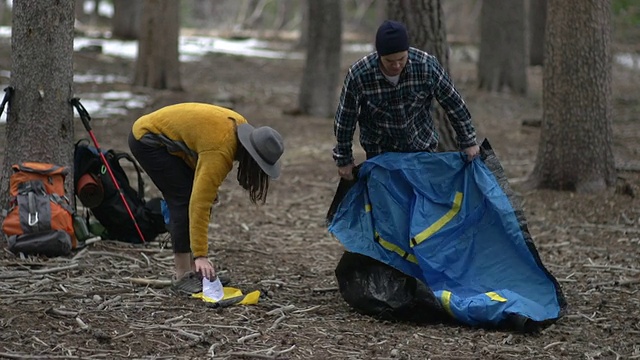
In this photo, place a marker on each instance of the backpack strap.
(139, 171)
(62, 201)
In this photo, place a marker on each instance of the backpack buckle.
(33, 219)
(33, 213)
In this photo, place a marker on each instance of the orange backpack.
(40, 218)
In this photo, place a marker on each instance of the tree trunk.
(79, 10)
(303, 39)
(94, 15)
(427, 31)
(294, 17)
(39, 118)
(504, 57)
(254, 20)
(362, 8)
(125, 23)
(575, 151)
(286, 11)
(158, 63)
(381, 11)
(321, 74)
(537, 21)
(201, 12)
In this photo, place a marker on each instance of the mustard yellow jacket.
(204, 136)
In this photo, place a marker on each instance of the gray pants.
(174, 178)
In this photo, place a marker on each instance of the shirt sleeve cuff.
(468, 143)
(344, 162)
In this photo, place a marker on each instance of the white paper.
(212, 289)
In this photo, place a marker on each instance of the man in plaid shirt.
(389, 94)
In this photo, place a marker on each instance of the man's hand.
(472, 152)
(205, 267)
(346, 172)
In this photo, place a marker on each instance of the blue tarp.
(448, 223)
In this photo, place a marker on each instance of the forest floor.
(87, 306)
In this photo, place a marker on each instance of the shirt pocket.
(379, 110)
(418, 105)
(381, 126)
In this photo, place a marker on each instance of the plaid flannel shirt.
(397, 118)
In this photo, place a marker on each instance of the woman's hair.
(251, 177)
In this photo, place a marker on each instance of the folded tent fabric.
(450, 224)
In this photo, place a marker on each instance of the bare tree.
(255, 18)
(294, 15)
(5, 12)
(125, 23)
(537, 23)
(381, 11)
(285, 13)
(426, 27)
(158, 63)
(322, 65)
(303, 39)
(462, 20)
(40, 118)
(79, 9)
(95, 14)
(503, 58)
(361, 9)
(575, 151)
(244, 17)
(201, 11)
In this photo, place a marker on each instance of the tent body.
(450, 224)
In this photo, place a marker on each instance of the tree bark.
(125, 23)
(427, 31)
(504, 56)
(158, 63)
(39, 117)
(321, 74)
(537, 23)
(575, 151)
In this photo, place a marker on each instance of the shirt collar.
(380, 76)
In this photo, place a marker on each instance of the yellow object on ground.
(232, 296)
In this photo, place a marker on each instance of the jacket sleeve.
(211, 170)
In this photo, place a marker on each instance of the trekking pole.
(84, 116)
(8, 92)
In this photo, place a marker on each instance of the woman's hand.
(205, 267)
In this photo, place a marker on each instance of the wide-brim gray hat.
(265, 146)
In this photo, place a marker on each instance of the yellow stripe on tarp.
(495, 296)
(396, 249)
(440, 223)
(445, 299)
(391, 246)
